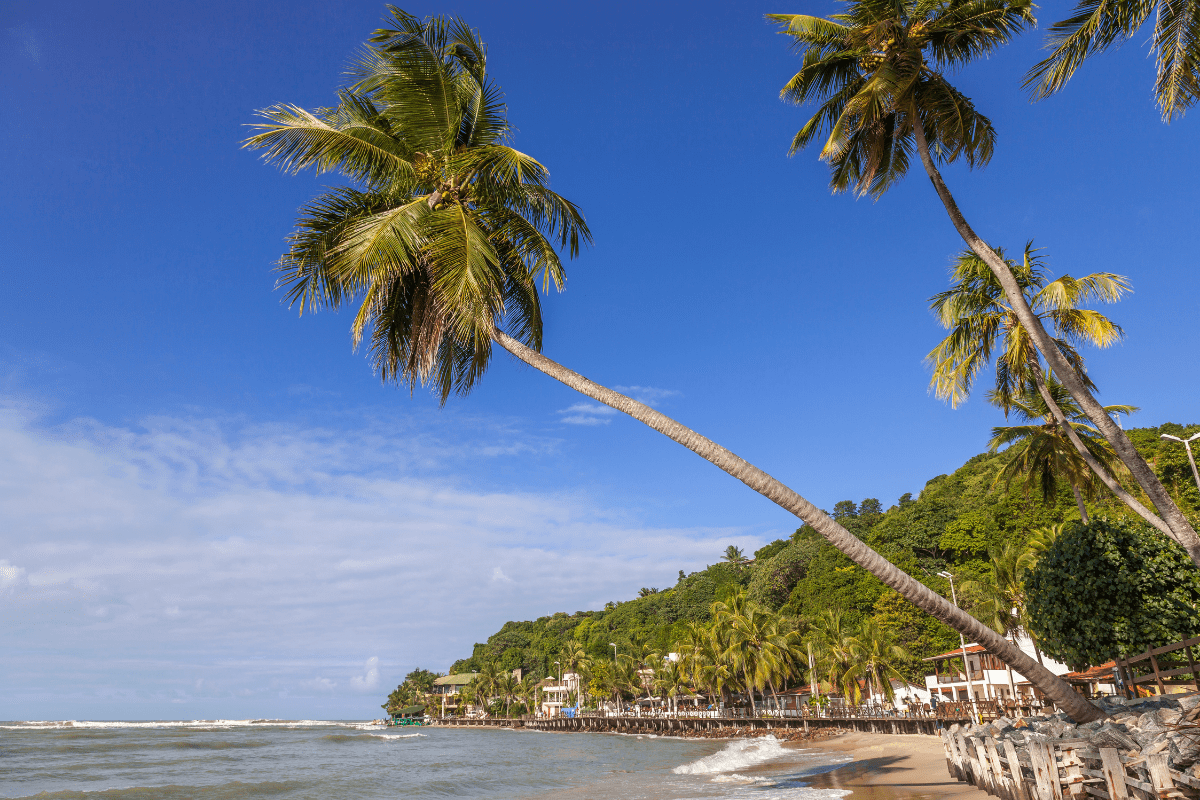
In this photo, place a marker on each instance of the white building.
(987, 677)
(556, 693)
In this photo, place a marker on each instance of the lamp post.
(614, 647)
(1187, 443)
(560, 683)
(962, 641)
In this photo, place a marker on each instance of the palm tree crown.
(980, 318)
(1097, 25)
(877, 69)
(446, 228)
(1041, 452)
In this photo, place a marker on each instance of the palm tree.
(981, 322)
(669, 680)
(734, 555)
(441, 241)
(507, 687)
(1097, 25)
(874, 654)
(831, 642)
(1041, 454)
(877, 72)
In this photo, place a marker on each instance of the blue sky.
(209, 507)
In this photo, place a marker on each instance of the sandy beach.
(888, 767)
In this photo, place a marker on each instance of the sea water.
(326, 760)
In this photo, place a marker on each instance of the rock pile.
(1168, 724)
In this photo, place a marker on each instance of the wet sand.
(888, 767)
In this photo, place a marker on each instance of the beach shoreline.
(890, 767)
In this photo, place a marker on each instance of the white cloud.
(253, 556)
(591, 413)
(10, 575)
(370, 678)
(649, 395)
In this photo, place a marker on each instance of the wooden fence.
(1153, 672)
(1062, 770)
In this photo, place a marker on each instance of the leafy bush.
(1105, 590)
(773, 579)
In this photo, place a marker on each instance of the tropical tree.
(830, 638)
(670, 680)
(982, 323)
(1097, 25)
(877, 73)
(1042, 453)
(443, 237)
(874, 654)
(507, 687)
(734, 555)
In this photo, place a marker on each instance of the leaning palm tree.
(878, 74)
(982, 322)
(1097, 25)
(442, 239)
(1041, 453)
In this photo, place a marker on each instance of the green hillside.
(950, 525)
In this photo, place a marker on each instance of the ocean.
(324, 760)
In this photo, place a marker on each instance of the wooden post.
(1114, 773)
(1192, 663)
(1160, 776)
(985, 768)
(1020, 791)
(1045, 770)
(998, 776)
(951, 756)
(974, 778)
(1157, 678)
(1072, 765)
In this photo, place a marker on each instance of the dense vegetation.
(951, 525)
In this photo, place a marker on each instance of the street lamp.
(614, 647)
(962, 641)
(1187, 443)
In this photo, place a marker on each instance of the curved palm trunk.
(911, 589)
(1113, 485)
(1180, 529)
(1079, 502)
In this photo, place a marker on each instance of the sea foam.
(738, 754)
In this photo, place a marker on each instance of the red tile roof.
(958, 651)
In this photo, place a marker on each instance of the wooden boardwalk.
(684, 725)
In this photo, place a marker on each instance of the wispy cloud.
(592, 413)
(222, 567)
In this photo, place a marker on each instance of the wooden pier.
(701, 725)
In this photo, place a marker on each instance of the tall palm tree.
(877, 72)
(874, 654)
(1097, 25)
(1041, 453)
(734, 555)
(441, 240)
(830, 638)
(982, 322)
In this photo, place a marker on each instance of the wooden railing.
(1062, 770)
(1156, 674)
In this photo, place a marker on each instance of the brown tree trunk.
(910, 588)
(1113, 485)
(1145, 477)
(1079, 502)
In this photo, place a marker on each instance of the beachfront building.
(986, 677)
(555, 694)
(448, 688)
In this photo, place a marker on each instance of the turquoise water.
(295, 760)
